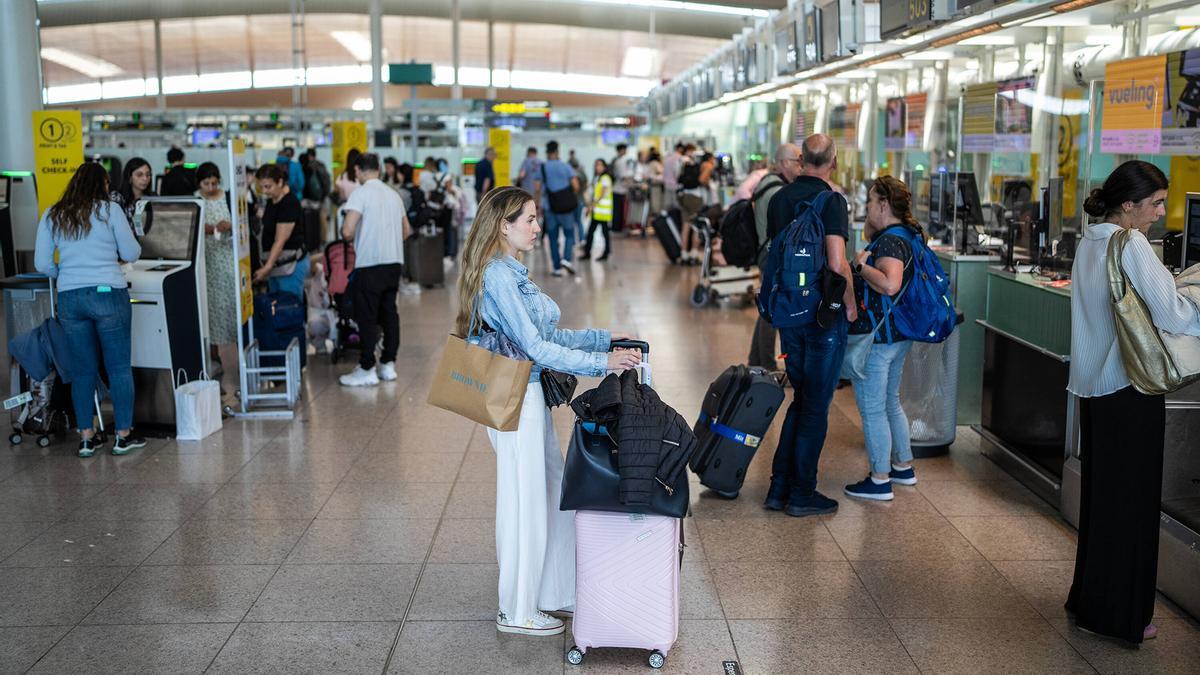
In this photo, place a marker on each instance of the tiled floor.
(359, 538)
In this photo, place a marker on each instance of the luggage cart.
(29, 300)
(718, 283)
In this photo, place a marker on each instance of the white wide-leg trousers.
(535, 542)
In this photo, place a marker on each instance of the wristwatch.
(857, 267)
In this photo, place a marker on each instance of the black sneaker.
(89, 446)
(124, 444)
(815, 504)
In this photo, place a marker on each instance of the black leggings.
(587, 243)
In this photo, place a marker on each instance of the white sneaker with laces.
(386, 371)
(540, 624)
(359, 378)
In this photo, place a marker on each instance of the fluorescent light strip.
(676, 5)
(81, 63)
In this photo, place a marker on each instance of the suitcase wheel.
(575, 656)
(43, 441)
(699, 296)
(15, 438)
(657, 659)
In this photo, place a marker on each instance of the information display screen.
(831, 32)
(812, 37)
(785, 49)
(170, 231)
(1191, 232)
(897, 17)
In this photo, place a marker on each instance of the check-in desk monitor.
(170, 317)
(1191, 231)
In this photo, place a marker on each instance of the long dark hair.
(351, 160)
(896, 194)
(126, 188)
(1133, 181)
(71, 216)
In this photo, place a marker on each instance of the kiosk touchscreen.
(1191, 231)
(170, 313)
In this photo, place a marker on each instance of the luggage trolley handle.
(644, 347)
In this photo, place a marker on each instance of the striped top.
(1096, 367)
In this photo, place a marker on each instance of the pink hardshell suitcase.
(626, 583)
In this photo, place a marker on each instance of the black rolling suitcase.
(423, 257)
(736, 413)
(666, 228)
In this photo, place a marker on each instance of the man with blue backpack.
(807, 294)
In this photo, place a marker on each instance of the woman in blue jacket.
(92, 237)
(535, 542)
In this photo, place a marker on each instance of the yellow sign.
(1071, 135)
(979, 118)
(347, 135)
(57, 152)
(1133, 103)
(1185, 176)
(240, 185)
(530, 107)
(501, 141)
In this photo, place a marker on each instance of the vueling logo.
(469, 381)
(1135, 92)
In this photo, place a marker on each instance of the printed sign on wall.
(57, 152)
(979, 118)
(1133, 96)
(347, 135)
(914, 128)
(1014, 115)
(895, 122)
(1181, 109)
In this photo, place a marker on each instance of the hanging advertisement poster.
(979, 118)
(501, 141)
(57, 153)
(914, 128)
(1014, 115)
(347, 135)
(1072, 135)
(895, 121)
(1181, 109)
(1133, 106)
(799, 126)
(843, 124)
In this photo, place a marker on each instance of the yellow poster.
(347, 135)
(1071, 136)
(1185, 177)
(979, 118)
(57, 152)
(1133, 102)
(239, 184)
(501, 141)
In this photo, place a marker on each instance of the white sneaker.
(568, 267)
(540, 624)
(359, 378)
(410, 289)
(386, 371)
(556, 273)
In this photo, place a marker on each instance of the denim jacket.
(514, 306)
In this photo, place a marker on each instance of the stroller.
(339, 265)
(718, 280)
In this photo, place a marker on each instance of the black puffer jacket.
(654, 443)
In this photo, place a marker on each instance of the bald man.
(814, 354)
(784, 169)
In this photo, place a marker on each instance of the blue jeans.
(814, 360)
(294, 282)
(579, 233)
(885, 426)
(564, 222)
(96, 322)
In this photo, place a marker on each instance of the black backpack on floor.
(739, 232)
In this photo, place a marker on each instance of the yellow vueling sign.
(57, 152)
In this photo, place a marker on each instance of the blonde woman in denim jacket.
(535, 542)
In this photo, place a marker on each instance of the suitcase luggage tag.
(739, 437)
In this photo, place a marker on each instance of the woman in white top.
(1121, 429)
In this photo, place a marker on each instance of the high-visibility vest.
(602, 199)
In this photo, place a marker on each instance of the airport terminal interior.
(272, 498)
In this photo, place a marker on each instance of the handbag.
(592, 479)
(1155, 362)
(479, 384)
(557, 388)
(197, 408)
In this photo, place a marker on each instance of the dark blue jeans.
(99, 322)
(564, 223)
(814, 361)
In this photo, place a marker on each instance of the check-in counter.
(1029, 423)
(968, 287)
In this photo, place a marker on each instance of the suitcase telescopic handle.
(631, 344)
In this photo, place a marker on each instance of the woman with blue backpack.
(876, 350)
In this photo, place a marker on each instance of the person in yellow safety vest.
(601, 209)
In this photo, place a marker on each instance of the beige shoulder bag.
(1149, 356)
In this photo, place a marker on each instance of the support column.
(22, 87)
(491, 44)
(456, 51)
(378, 116)
(161, 99)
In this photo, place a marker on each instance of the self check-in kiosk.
(170, 313)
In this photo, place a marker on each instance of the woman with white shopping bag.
(535, 542)
(1121, 428)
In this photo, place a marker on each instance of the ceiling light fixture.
(1075, 4)
(355, 42)
(974, 32)
(677, 5)
(639, 62)
(81, 63)
(881, 59)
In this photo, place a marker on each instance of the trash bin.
(929, 395)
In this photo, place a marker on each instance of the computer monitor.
(968, 210)
(1191, 230)
(1052, 209)
(170, 230)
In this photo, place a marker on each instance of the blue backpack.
(925, 313)
(791, 288)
